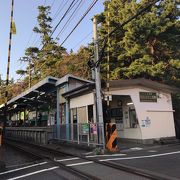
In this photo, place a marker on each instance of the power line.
(67, 11)
(82, 39)
(52, 4)
(70, 18)
(113, 31)
(87, 11)
(84, 15)
(60, 8)
(37, 39)
(121, 25)
(62, 17)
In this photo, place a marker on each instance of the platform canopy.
(41, 93)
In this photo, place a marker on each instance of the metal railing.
(90, 134)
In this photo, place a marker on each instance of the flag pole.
(8, 64)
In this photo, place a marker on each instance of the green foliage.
(21, 72)
(148, 46)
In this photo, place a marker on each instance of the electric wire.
(82, 40)
(60, 8)
(52, 4)
(71, 17)
(67, 11)
(62, 17)
(113, 31)
(105, 41)
(84, 15)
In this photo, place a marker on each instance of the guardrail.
(37, 135)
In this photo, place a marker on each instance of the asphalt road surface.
(164, 160)
(21, 166)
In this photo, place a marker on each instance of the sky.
(25, 13)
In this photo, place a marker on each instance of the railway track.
(47, 155)
(52, 155)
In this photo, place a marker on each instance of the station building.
(142, 109)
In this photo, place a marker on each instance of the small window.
(132, 118)
(74, 115)
(82, 116)
(90, 113)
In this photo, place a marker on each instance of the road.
(160, 160)
(39, 169)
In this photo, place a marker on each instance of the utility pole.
(98, 80)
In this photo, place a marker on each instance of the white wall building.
(142, 109)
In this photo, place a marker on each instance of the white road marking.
(105, 155)
(19, 165)
(77, 164)
(140, 157)
(35, 172)
(88, 153)
(136, 148)
(69, 159)
(152, 151)
(18, 169)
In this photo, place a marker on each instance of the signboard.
(148, 97)
(85, 128)
(146, 122)
(119, 124)
(93, 128)
(116, 112)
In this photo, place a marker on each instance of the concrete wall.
(37, 135)
(159, 114)
(81, 101)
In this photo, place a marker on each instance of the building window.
(74, 115)
(132, 118)
(63, 113)
(82, 116)
(90, 113)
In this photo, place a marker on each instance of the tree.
(76, 63)
(51, 53)
(148, 46)
(42, 61)
(3, 90)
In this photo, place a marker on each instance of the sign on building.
(85, 128)
(148, 96)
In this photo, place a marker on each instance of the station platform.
(80, 150)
